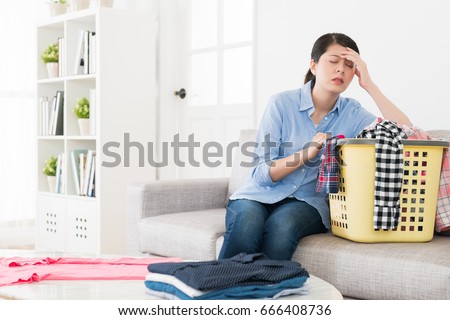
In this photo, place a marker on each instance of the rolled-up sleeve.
(362, 118)
(268, 142)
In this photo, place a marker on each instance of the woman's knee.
(296, 218)
(247, 212)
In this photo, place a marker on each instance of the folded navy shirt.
(240, 270)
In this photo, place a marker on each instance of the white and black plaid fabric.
(388, 172)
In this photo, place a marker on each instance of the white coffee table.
(119, 289)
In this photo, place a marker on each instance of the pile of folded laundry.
(244, 276)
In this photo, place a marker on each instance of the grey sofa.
(186, 218)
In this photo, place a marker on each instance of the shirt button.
(326, 118)
(303, 170)
(268, 188)
(294, 187)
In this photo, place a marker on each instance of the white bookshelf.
(124, 84)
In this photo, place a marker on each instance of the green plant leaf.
(50, 54)
(82, 108)
(50, 166)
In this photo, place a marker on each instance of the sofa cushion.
(379, 270)
(189, 235)
(240, 173)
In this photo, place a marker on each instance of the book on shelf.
(51, 116)
(92, 52)
(83, 171)
(84, 62)
(79, 63)
(92, 111)
(58, 173)
(88, 168)
(59, 185)
(81, 165)
(86, 52)
(62, 186)
(75, 166)
(61, 55)
(43, 116)
(91, 185)
(58, 128)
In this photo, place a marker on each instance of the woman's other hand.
(316, 144)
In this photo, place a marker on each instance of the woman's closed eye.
(350, 64)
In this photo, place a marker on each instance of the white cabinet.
(123, 87)
(51, 222)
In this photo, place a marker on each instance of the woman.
(279, 205)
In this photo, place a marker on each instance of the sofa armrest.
(154, 198)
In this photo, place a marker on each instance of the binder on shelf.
(58, 125)
(61, 55)
(92, 112)
(91, 186)
(92, 51)
(43, 116)
(88, 171)
(84, 62)
(79, 63)
(51, 117)
(58, 174)
(59, 185)
(62, 180)
(86, 52)
(75, 164)
(81, 164)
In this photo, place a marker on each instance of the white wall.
(144, 6)
(404, 44)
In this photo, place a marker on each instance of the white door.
(207, 86)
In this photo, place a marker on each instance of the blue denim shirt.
(287, 127)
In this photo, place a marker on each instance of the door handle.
(181, 93)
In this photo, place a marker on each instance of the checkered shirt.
(388, 172)
(443, 201)
(328, 176)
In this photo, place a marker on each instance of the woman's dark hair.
(321, 45)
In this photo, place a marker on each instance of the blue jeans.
(273, 229)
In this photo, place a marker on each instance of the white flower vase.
(52, 69)
(84, 127)
(51, 183)
(57, 8)
(76, 5)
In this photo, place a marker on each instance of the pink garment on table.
(443, 201)
(19, 270)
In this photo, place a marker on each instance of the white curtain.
(18, 166)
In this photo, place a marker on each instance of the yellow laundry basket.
(352, 208)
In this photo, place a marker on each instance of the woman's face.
(333, 73)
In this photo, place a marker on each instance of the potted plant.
(79, 4)
(82, 110)
(50, 58)
(57, 7)
(50, 171)
(105, 3)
